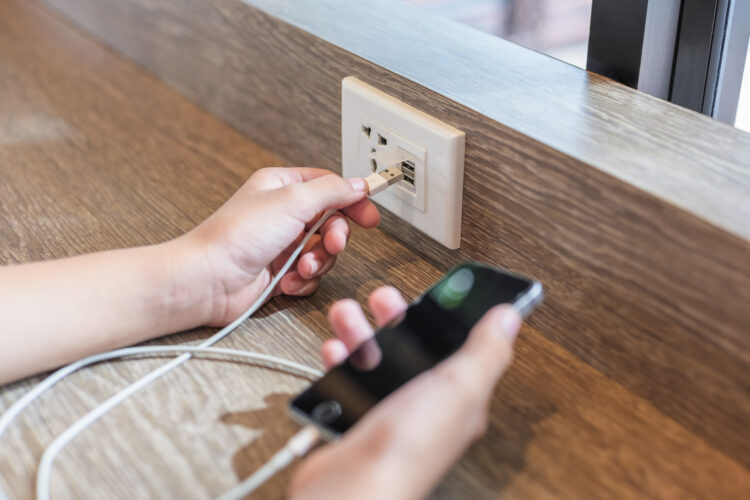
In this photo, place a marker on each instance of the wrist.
(186, 294)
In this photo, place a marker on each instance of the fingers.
(488, 351)
(301, 174)
(352, 328)
(335, 232)
(276, 177)
(333, 352)
(308, 199)
(349, 323)
(294, 284)
(315, 262)
(364, 213)
(386, 304)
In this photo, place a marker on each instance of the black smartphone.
(431, 329)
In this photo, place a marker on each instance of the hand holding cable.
(210, 236)
(107, 300)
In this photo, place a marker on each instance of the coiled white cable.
(71, 432)
(44, 473)
(12, 412)
(45, 466)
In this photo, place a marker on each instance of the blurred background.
(559, 28)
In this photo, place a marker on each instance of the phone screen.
(430, 330)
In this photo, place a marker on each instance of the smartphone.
(432, 328)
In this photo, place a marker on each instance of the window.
(743, 107)
(690, 52)
(559, 28)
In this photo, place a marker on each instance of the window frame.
(689, 52)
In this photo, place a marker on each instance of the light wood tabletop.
(97, 154)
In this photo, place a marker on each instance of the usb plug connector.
(379, 181)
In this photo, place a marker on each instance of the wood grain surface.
(96, 154)
(635, 218)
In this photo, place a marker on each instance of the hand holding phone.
(404, 444)
(431, 329)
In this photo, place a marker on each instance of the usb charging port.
(407, 167)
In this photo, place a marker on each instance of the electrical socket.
(379, 131)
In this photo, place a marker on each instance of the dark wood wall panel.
(648, 293)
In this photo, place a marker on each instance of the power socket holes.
(378, 131)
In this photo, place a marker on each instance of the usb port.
(407, 167)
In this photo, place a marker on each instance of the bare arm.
(57, 311)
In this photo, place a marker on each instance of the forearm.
(57, 311)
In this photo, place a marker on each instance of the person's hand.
(237, 251)
(406, 443)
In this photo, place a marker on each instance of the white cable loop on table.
(45, 465)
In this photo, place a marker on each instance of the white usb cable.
(380, 181)
(296, 447)
(376, 183)
(48, 457)
(43, 476)
(45, 466)
(12, 412)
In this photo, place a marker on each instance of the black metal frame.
(691, 52)
(700, 47)
(633, 42)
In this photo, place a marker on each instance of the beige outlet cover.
(433, 206)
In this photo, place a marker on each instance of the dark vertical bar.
(633, 42)
(658, 52)
(690, 52)
(616, 39)
(700, 40)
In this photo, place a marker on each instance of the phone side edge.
(528, 302)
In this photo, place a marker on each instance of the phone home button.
(326, 412)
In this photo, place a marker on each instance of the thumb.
(307, 199)
(489, 348)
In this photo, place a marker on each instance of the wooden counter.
(97, 154)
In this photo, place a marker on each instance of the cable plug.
(303, 441)
(296, 447)
(380, 181)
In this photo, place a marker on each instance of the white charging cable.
(296, 447)
(43, 477)
(13, 412)
(45, 465)
(376, 183)
(71, 432)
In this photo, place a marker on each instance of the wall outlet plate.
(377, 129)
